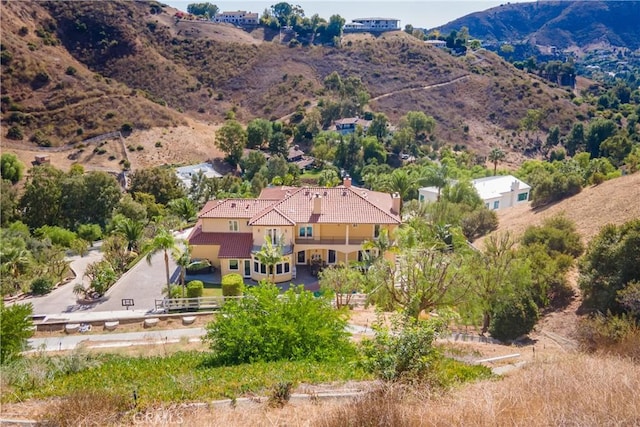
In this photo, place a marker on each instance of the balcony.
(332, 240)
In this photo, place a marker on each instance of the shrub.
(232, 285)
(267, 326)
(610, 334)
(513, 317)
(15, 329)
(42, 285)
(195, 289)
(71, 71)
(558, 235)
(90, 232)
(479, 222)
(84, 407)
(403, 352)
(15, 133)
(58, 235)
(126, 128)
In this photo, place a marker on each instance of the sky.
(419, 13)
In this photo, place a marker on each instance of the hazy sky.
(419, 13)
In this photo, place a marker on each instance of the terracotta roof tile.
(235, 208)
(232, 245)
(271, 216)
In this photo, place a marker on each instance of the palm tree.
(495, 156)
(270, 254)
(382, 244)
(182, 259)
(183, 208)
(165, 242)
(437, 176)
(131, 230)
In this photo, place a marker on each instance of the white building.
(372, 25)
(497, 192)
(186, 173)
(238, 17)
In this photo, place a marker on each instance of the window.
(278, 268)
(486, 205)
(287, 267)
(263, 269)
(281, 268)
(523, 197)
(233, 225)
(301, 257)
(496, 204)
(273, 236)
(234, 264)
(376, 231)
(256, 266)
(421, 198)
(332, 256)
(305, 231)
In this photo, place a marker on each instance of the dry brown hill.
(612, 202)
(134, 62)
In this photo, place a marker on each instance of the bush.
(232, 285)
(195, 289)
(15, 133)
(42, 285)
(58, 235)
(610, 334)
(267, 326)
(15, 329)
(558, 235)
(403, 352)
(479, 222)
(513, 318)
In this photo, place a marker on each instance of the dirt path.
(395, 92)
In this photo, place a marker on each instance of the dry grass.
(613, 202)
(576, 390)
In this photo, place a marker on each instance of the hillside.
(564, 24)
(612, 202)
(80, 69)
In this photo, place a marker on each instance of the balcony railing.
(332, 240)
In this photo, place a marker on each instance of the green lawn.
(211, 292)
(181, 377)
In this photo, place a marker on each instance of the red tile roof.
(338, 205)
(232, 245)
(234, 208)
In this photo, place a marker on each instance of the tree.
(342, 282)
(575, 139)
(378, 126)
(131, 230)
(267, 326)
(495, 156)
(513, 317)
(610, 265)
(278, 144)
(90, 232)
(102, 193)
(599, 130)
(231, 139)
(15, 329)
(420, 123)
(182, 259)
(9, 203)
(492, 271)
(553, 138)
(183, 208)
(165, 242)
(437, 176)
(11, 168)
(161, 183)
(423, 279)
(203, 9)
(270, 254)
(258, 133)
(252, 163)
(42, 197)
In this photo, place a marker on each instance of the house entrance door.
(247, 268)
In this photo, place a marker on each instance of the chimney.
(346, 181)
(396, 203)
(317, 204)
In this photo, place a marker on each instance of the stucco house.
(238, 17)
(372, 25)
(328, 225)
(497, 192)
(186, 173)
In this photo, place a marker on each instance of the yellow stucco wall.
(208, 252)
(259, 233)
(219, 225)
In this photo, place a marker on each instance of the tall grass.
(577, 390)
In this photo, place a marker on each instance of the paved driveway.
(144, 284)
(62, 299)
